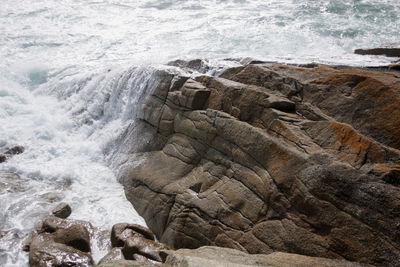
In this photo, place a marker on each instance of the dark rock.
(385, 51)
(63, 210)
(150, 249)
(394, 66)
(9, 151)
(277, 158)
(76, 236)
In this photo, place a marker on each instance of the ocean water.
(71, 72)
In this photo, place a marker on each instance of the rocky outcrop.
(264, 158)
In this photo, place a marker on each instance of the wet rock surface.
(136, 243)
(60, 242)
(385, 51)
(265, 158)
(63, 210)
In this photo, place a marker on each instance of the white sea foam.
(67, 89)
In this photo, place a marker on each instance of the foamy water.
(68, 83)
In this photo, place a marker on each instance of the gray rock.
(63, 210)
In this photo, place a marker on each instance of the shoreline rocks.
(297, 159)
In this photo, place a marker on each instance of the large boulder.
(60, 242)
(264, 158)
(44, 251)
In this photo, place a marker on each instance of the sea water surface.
(71, 71)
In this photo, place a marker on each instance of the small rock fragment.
(63, 210)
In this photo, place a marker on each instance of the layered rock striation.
(264, 158)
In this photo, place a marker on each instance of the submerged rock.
(137, 243)
(273, 158)
(11, 182)
(9, 151)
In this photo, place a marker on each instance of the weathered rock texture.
(135, 242)
(271, 158)
(60, 242)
